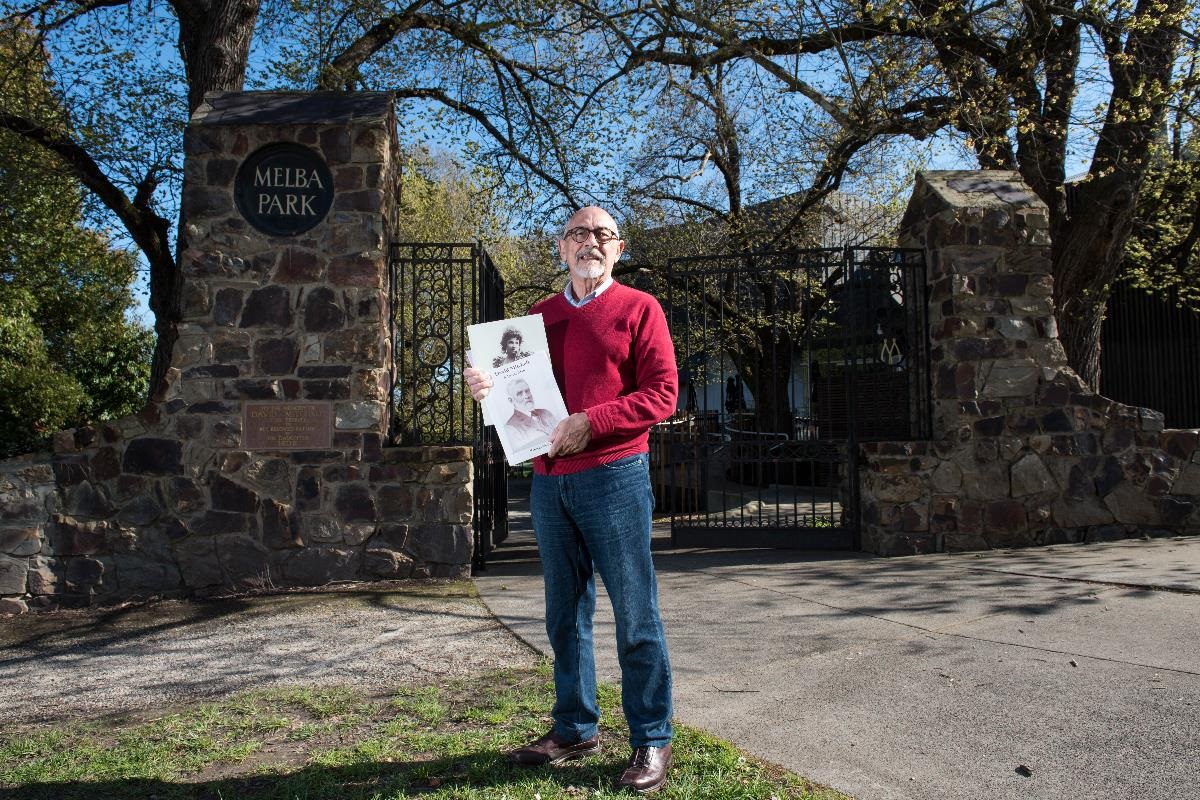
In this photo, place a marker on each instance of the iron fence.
(436, 291)
(1150, 355)
(787, 361)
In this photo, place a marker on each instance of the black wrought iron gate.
(787, 360)
(437, 290)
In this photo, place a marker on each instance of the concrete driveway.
(1061, 672)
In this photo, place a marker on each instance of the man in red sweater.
(591, 500)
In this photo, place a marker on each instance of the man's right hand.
(479, 383)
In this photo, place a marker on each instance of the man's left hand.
(571, 435)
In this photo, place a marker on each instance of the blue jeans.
(599, 519)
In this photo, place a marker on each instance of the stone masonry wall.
(172, 501)
(1023, 452)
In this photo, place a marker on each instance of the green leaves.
(1163, 253)
(36, 397)
(443, 201)
(68, 355)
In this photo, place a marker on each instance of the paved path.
(935, 676)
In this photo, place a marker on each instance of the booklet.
(524, 403)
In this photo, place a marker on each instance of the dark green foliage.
(35, 397)
(68, 355)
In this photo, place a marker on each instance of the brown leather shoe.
(647, 770)
(553, 749)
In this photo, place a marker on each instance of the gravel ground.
(71, 664)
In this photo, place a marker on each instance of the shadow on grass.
(480, 771)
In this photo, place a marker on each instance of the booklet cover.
(524, 403)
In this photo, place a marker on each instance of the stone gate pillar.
(1023, 452)
(991, 308)
(261, 460)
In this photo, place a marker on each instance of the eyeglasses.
(580, 235)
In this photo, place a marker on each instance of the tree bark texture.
(1090, 231)
(1086, 253)
(214, 42)
(1001, 87)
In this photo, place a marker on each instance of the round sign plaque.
(283, 189)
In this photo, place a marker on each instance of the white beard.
(588, 273)
(588, 269)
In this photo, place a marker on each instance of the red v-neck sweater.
(614, 360)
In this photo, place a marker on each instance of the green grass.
(435, 741)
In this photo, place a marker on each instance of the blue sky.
(943, 152)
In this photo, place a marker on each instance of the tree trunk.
(1086, 253)
(214, 42)
(1079, 332)
(1090, 233)
(769, 379)
(768, 385)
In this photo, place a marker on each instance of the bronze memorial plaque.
(288, 426)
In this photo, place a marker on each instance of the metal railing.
(787, 361)
(437, 290)
(1150, 355)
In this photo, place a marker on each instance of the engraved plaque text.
(288, 426)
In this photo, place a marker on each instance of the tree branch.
(149, 230)
(380, 35)
(80, 9)
(509, 144)
(688, 201)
